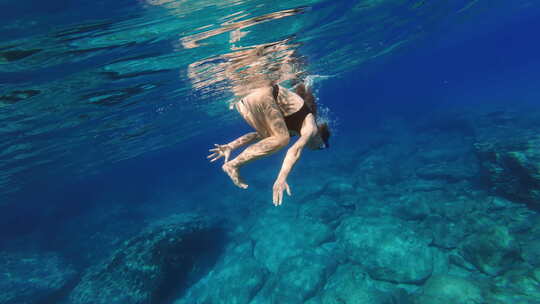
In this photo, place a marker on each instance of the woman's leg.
(275, 126)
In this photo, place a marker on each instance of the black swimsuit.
(295, 120)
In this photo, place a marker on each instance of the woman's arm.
(293, 154)
(309, 129)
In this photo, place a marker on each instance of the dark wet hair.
(324, 132)
(310, 101)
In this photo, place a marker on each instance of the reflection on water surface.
(83, 88)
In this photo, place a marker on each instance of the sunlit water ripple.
(112, 83)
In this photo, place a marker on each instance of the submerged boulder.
(412, 209)
(278, 239)
(531, 252)
(235, 282)
(450, 172)
(33, 278)
(491, 252)
(446, 234)
(521, 285)
(18, 95)
(151, 266)
(388, 249)
(324, 208)
(350, 285)
(298, 279)
(445, 289)
(236, 279)
(511, 166)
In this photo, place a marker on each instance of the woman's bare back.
(287, 101)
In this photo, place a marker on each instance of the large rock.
(446, 234)
(32, 278)
(350, 285)
(520, 285)
(298, 279)
(492, 252)
(446, 289)
(511, 165)
(531, 252)
(236, 282)
(324, 208)
(338, 185)
(152, 265)
(236, 279)
(449, 172)
(454, 209)
(412, 208)
(387, 248)
(278, 239)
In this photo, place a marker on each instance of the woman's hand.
(220, 151)
(279, 186)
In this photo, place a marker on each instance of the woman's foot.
(233, 173)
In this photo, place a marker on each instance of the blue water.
(108, 109)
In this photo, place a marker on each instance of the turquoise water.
(429, 192)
